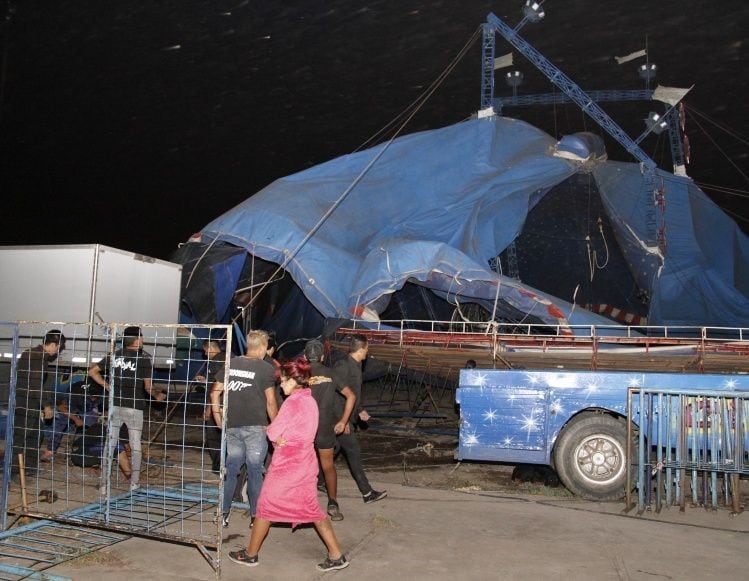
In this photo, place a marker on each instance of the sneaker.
(242, 558)
(134, 486)
(48, 456)
(224, 520)
(334, 512)
(321, 488)
(374, 496)
(332, 564)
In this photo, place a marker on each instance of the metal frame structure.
(573, 91)
(442, 346)
(587, 101)
(179, 498)
(690, 443)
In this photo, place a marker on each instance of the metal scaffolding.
(691, 445)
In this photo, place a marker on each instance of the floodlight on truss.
(533, 11)
(514, 79)
(647, 71)
(656, 123)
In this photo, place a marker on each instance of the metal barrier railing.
(9, 339)
(72, 465)
(602, 333)
(690, 444)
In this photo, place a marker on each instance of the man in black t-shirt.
(32, 401)
(250, 402)
(326, 389)
(129, 371)
(349, 373)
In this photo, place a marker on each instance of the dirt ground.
(423, 453)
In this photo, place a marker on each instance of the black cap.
(314, 350)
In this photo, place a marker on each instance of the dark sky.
(134, 123)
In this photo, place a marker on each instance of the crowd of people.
(305, 410)
(317, 416)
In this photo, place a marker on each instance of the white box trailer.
(87, 284)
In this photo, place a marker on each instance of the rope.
(720, 149)
(418, 104)
(421, 99)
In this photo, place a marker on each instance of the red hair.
(298, 369)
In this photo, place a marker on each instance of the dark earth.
(134, 124)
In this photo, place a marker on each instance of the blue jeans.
(61, 423)
(245, 445)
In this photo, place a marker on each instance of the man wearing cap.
(32, 402)
(325, 387)
(129, 371)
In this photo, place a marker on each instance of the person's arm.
(218, 389)
(271, 406)
(65, 410)
(148, 385)
(348, 409)
(94, 372)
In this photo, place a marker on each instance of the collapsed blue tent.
(436, 208)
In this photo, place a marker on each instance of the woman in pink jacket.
(289, 493)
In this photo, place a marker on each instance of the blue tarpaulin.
(437, 206)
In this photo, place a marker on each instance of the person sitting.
(81, 409)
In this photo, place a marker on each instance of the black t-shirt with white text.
(248, 379)
(126, 371)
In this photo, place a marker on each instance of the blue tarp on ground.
(437, 206)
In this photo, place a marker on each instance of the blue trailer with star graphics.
(576, 421)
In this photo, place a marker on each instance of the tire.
(590, 457)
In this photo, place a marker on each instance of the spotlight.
(514, 79)
(656, 123)
(647, 71)
(533, 11)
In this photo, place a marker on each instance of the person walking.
(326, 388)
(350, 374)
(289, 493)
(251, 401)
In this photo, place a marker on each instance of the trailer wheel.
(590, 457)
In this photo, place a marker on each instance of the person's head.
(132, 338)
(470, 364)
(294, 375)
(358, 347)
(54, 343)
(272, 345)
(211, 348)
(314, 351)
(257, 344)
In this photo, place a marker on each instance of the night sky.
(133, 123)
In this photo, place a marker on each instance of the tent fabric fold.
(439, 205)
